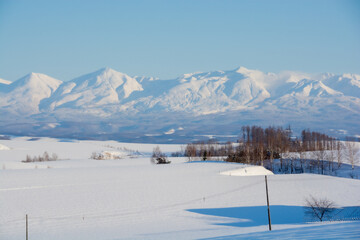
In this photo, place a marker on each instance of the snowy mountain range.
(40, 104)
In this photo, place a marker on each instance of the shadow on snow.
(280, 214)
(346, 230)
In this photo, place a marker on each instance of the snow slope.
(213, 92)
(24, 95)
(80, 198)
(3, 147)
(248, 171)
(348, 84)
(105, 86)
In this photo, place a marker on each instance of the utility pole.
(27, 235)
(267, 199)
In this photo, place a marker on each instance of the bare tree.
(339, 153)
(247, 153)
(46, 156)
(270, 142)
(158, 157)
(190, 151)
(351, 153)
(319, 208)
(28, 159)
(302, 157)
(41, 158)
(54, 157)
(330, 156)
(229, 149)
(320, 157)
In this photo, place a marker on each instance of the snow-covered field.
(76, 197)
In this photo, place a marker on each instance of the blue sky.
(66, 39)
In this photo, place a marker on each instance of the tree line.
(41, 158)
(278, 150)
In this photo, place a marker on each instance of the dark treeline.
(259, 146)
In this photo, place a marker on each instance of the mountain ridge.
(106, 95)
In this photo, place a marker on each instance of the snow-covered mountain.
(348, 84)
(211, 92)
(24, 95)
(103, 87)
(245, 96)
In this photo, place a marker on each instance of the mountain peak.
(36, 78)
(102, 87)
(28, 91)
(108, 72)
(106, 69)
(34, 75)
(102, 75)
(242, 70)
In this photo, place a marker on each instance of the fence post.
(27, 228)
(267, 199)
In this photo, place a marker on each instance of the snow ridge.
(5, 82)
(199, 93)
(107, 93)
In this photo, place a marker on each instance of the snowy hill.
(118, 103)
(76, 197)
(24, 95)
(102, 87)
